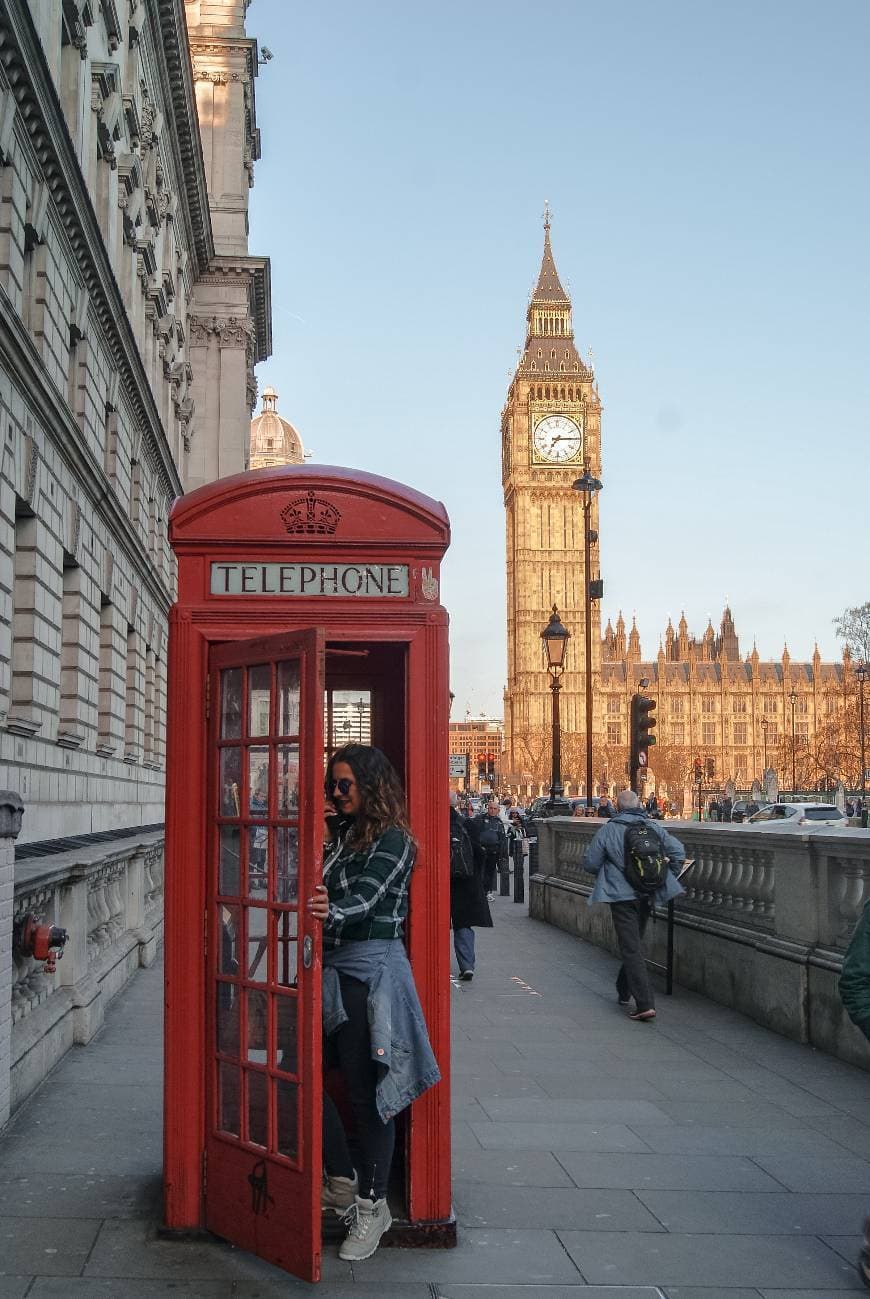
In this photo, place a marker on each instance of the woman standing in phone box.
(373, 1024)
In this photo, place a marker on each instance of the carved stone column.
(11, 812)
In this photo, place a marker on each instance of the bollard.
(519, 874)
(504, 877)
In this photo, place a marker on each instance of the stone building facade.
(550, 431)
(737, 714)
(131, 317)
(481, 741)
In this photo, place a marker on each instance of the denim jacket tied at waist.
(400, 1041)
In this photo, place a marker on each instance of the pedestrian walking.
(373, 1025)
(727, 808)
(632, 858)
(605, 807)
(469, 908)
(490, 834)
(855, 995)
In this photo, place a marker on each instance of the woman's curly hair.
(382, 799)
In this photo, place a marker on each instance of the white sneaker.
(338, 1193)
(367, 1220)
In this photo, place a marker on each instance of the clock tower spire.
(551, 432)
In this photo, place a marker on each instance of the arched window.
(539, 392)
(540, 354)
(553, 354)
(534, 367)
(576, 366)
(562, 368)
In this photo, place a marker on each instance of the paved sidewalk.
(594, 1157)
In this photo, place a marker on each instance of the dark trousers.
(630, 921)
(490, 867)
(350, 1049)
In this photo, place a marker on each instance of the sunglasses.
(344, 786)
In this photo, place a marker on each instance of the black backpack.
(461, 854)
(645, 865)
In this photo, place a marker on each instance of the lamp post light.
(588, 486)
(555, 637)
(861, 672)
(764, 725)
(793, 698)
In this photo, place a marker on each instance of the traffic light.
(642, 725)
(711, 768)
(490, 766)
(699, 770)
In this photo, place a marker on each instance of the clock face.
(557, 439)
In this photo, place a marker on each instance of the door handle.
(307, 952)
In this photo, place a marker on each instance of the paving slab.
(839, 1173)
(48, 1246)
(489, 1254)
(557, 1136)
(15, 1287)
(125, 1288)
(131, 1248)
(513, 1206)
(780, 1212)
(81, 1196)
(573, 1111)
(640, 1172)
(509, 1168)
(671, 1259)
(715, 1140)
(485, 1291)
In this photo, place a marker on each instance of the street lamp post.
(360, 707)
(793, 698)
(764, 726)
(861, 672)
(588, 486)
(555, 637)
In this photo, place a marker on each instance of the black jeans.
(490, 868)
(630, 921)
(350, 1049)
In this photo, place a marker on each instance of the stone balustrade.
(109, 898)
(762, 926)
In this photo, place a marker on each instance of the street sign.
(457, 766)
(867, 773)
(642, 758)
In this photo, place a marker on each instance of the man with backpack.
(489, 832)
(636, 862)
(468, 905)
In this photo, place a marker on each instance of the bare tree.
(853, 628)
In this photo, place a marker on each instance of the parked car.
(740, 810)
(809, 816)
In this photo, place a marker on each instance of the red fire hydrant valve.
(42, 942)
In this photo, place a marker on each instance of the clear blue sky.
(707, 168)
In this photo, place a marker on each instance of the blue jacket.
(400, 1042)
(605, 858)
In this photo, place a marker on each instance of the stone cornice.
(257, 271)
(171, 46)
(24, 65)
(19, 356)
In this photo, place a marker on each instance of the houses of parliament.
(739, 714)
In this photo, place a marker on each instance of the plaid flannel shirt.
(368, 890)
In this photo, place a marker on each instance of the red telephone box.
(308, 615)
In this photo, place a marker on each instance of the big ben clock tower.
(550, 431)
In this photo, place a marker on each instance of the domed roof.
(274, 441)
